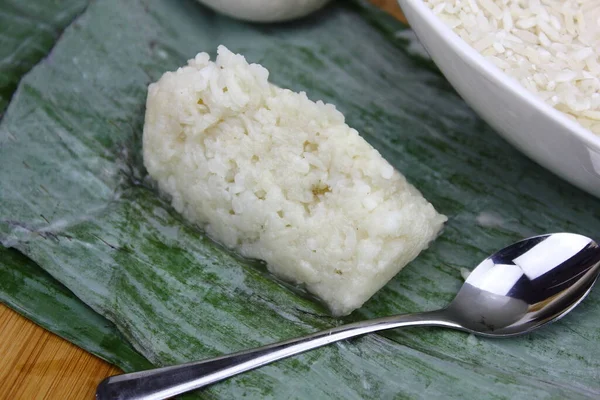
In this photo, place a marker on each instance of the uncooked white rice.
(550, 46)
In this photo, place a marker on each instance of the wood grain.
(36, 364)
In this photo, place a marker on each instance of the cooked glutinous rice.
(550, 46)
(278, 177)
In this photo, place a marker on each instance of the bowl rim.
(500, 77)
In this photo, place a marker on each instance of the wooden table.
(36, 364)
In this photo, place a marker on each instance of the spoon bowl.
(514, 291)
(526, 285)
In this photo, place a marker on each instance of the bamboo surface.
(36, 364)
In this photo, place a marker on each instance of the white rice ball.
(265, 10)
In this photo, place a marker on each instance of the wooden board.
(37, 364)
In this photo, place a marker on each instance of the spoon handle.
(162, 383)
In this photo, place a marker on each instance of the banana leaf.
(75, 199)
(28, 30)
(32, 292)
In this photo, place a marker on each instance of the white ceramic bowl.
(538, 130)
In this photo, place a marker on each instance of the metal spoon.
(514, 291)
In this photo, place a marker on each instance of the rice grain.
(550, 47)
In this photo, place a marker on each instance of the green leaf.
(26, 288)
(28, 30)
(75, 199)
